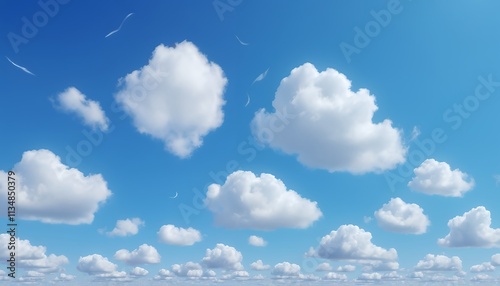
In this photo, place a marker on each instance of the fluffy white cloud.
(481, 278)
(138, 271)
(473, 229)
(90, 111)
(171, 234)
(248, 201)
(335, 276)
(126, 227)
(352, 242)
(346, 268)
(325, 266)
(223, 256)
(483, 267)
(495, 259)
(177, 97)
(30, 256)
(51, 192)
(437, 178)
(256, 241)
(259, 265)
(286, 269)
(95, 264)
(398, 216)
(433, 262)
(145, 254)
(319, 118)
(192, 270)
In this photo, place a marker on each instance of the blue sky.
(336, 133)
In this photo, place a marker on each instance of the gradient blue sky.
(427, 59)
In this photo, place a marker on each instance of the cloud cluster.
(259, 202)
(51, 192)
(90, 111)
(171, 234)
(472, 229)
(177, 97)
(332, 126)
(437, 178)
(398, 216)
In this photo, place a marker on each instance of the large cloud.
(73, 101)
(248, 201)
(473, 229)
(171, 234)
(145, 254)
(51, 192)
(126, 227)
(223, 256)
(319, 118)
(30, 256)
(286, 269)
(433, 262)
(177, 97)
(398, 216)
(352, 242)
(437, 178)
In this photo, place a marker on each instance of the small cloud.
(145, 254)
(259, 265)
(90, 111)
(170, 234)
(126, 227)
(257, 241)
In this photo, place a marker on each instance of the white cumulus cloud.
(472, 229)
(51, 192)
(398, 216)
(256, 241)
(177, 97)
(223, 256)
(90, 111)
(437, 178)
(30, 256)
(171, 234)
(327, 125)
(138, 271)
(191, 270)
(286, 269)
(352, 242)
(483, 267)
(335, 276)
(95, 264)
(325, 266)
(259, 265)
(248, 201)
(145, 254)
(126, 227)
(433, 262)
